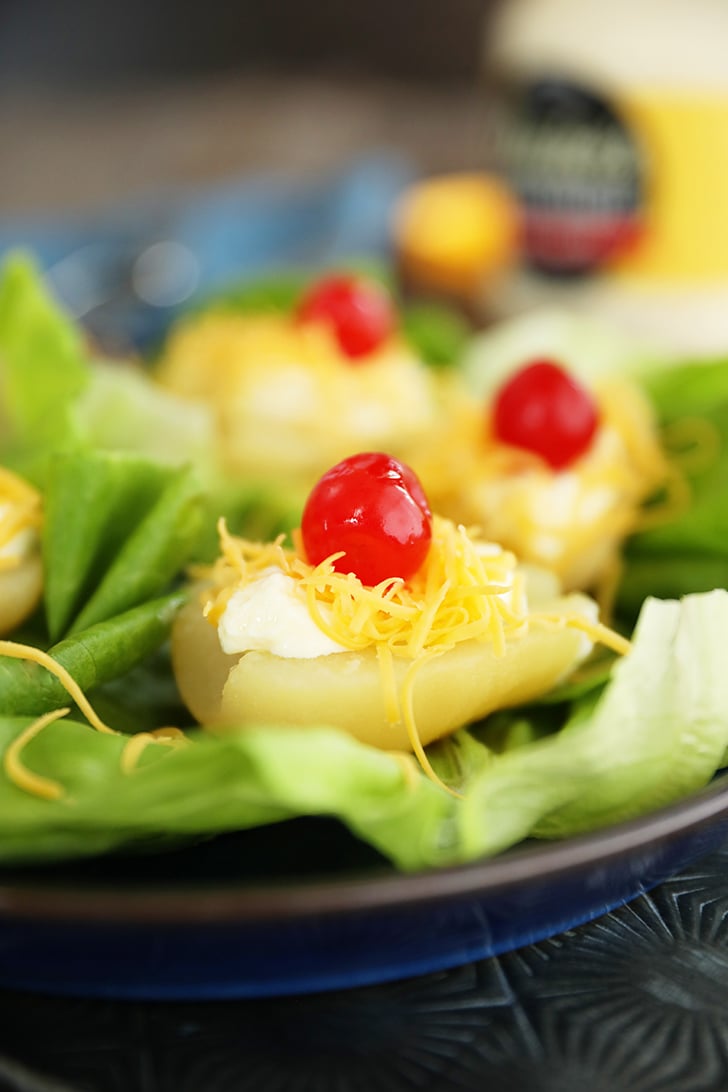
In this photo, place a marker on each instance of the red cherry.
(544, 410)
(360, 312)
(374, 508)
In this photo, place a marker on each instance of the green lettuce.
(122, 409)
(656, 732)
(124, 515)
(43, 370)
(689, 551)
(118, 532)
(55, 396)
(588, 347)
(439, 334)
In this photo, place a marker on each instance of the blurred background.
(610, 136)
(101, 101)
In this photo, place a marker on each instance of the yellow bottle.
(613, 133)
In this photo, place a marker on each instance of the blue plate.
(247, 916)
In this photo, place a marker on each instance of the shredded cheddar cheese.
(461, 593)
(46, 788)
(596, 631)
(694, 443)
(34, 655)
(18, 772)
(138, 743)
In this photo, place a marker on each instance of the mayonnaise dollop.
(269, 615)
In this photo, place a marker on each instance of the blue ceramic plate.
(252, 915)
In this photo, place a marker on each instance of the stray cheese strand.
(16, 770)
(400, 708)
(693, 443)
(36, 784)
(411, 726)
(599, 634)
(37, 656)
(138, 743)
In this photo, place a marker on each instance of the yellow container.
(613, 134)
(453, 233)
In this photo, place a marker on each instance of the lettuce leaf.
(588, 347)
(689, 551)
(122, 409)
(438, 333)
(657, 732)
(43, 369)
(215, 785)
(94, 656)
(118, 530)
(55, 396)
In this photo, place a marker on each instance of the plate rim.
(250, 904)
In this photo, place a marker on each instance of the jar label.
(578, 174)
(636, 190)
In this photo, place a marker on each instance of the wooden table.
(74, 151)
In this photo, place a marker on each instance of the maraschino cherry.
(373, 508)
(544, 410)
(360, 312)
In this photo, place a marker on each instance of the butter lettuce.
(590, 348)
(123, 519)
(43, 370)
(689, 550)
(656, 732)
(118, 531)
(56, 396)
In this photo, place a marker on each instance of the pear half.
(344, 689)
(20, 592)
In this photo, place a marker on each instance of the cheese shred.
(464, 591)
(16, 770)
(138, 743)
(597, 633)
(44, 787)
(35, 655)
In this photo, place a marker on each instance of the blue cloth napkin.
(126, 272)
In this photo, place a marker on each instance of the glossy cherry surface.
(360, 312)
(374, 508)
(545, 410)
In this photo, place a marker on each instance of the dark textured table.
(636, 1001)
